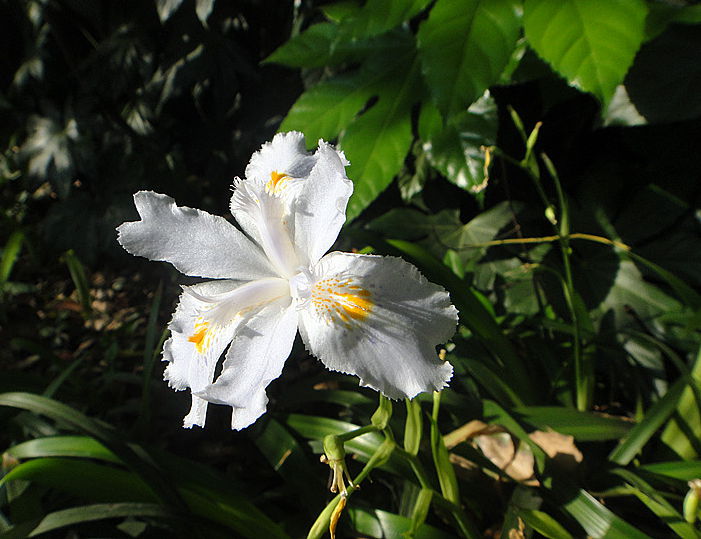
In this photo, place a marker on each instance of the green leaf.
(464, 48)
(9, 254)
(441, 459)
(544, 524)
(82, 478)
(80, 280)
(654, 418)
(318, 46)
(456, 148)
(677, 469)
(379, 523)
(139, 462)
(583, 426)
(378, 16)
(63, 446)
(326, 109)
(683, 433)
(657, 504)
(377, 143)
(597, 520)
(286, 457)
(592, 44)
(91, 513)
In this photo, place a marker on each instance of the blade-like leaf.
(91, 513)
(379, 523)
(141, 464)
(10, 253)
(657, 504)
(643, 431)
(592, 44)
(82, 478)
(464, 47)
(583, 426)
(63, 446)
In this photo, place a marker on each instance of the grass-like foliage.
(539, 159)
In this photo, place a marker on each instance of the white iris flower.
(372, 316)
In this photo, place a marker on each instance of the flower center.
(276, 184)
(340, 299)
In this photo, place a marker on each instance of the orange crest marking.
(276, 183)
(339, 299)
(200, 337)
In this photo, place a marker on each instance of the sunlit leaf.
(377, 142)
(464, 47)
(592, 44)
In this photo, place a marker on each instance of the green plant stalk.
(583, 373)
(441, 460)
(378, 458)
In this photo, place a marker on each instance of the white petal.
(295, 194)
(379, 318)
(320, 206)
(256, 357)
(203, 325)
(264, 217)
(285, 154)
(195, 242)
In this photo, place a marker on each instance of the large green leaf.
(464, 47)
(591, 43)
(327, 108)
(377, 142)
(378, 16)
(456, 148)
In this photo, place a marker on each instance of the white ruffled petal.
(289, 193)
(285, 154)
(379, 318)
(264, 217)
(257, 354)
(195, 242)
(204, 323)
(320, 206)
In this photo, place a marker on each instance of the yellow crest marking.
(276, 184)
(200, 337)
(339, 299)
